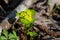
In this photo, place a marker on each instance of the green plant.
(9, 36)
(26, 17)
(32, 34)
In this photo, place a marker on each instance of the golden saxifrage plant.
(26, 17)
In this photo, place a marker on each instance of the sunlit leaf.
(25, 21)
(27, 16)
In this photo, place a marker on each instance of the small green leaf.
(33, 34)
(25, 21)
(5, 32)
(14, 33)
(18, 14)
(11, 36)
(33, 12)
(18, 38)
(3, 38)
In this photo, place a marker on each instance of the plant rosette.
(26, 17)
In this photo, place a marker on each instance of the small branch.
(51, 33)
